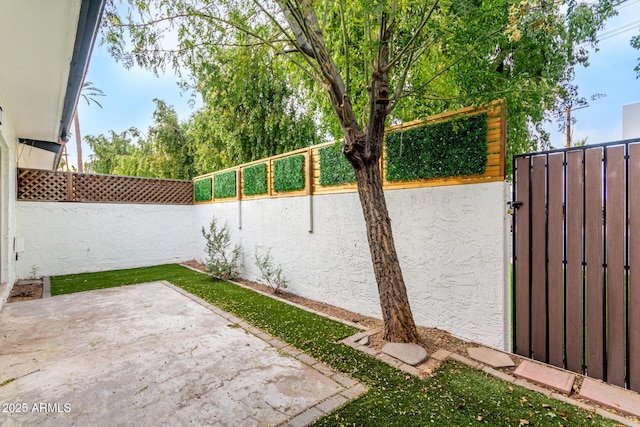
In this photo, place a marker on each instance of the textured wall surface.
(452, 243)
(8, 143)
(66, 238)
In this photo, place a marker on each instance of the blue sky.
(129, 93)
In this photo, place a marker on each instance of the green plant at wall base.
(223, 260)
(202, 190)
(254, 179)
(288, 173)
(453, 148)
(335, 169)
(271, 274)
(224, 185)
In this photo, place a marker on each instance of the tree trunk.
(78, 142)
(363, 150)
(394, 302)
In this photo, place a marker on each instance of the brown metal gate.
(576, 271)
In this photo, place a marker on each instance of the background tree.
(89, 93)
(368, 57)
(251, 109)
(108, 150)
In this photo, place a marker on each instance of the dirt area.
(25, 292)
(432, 339)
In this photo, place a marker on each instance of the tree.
(108, 150)
(171, 150)
(251, 109)
(388, 51)
(89, 93)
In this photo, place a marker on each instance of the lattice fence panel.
(37, 185)
(42, 185)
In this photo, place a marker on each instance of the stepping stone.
(546, 376)
(494, 358)
(364, 341)
(360, 335)
(28, 282)
(611, 396)
(411, 354)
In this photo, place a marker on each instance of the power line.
(620, 30)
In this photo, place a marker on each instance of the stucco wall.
(65, 238)
(7, 202)
(452, 244)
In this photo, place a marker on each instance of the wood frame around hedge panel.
(494, 170)
(37, 185)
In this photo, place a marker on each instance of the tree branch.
(416, 33)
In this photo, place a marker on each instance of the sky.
(129, 93)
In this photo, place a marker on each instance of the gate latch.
(513, 206)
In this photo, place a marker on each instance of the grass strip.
(457, 395)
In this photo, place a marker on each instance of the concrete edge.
(350, 388)
(275, 297)
(5, 290)
(46, 287)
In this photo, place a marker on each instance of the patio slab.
(488, 356)
(609, 395)
(545, 375)
(145, 355)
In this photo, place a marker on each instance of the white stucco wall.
(8, 143)
(452, 243)
(66, 238)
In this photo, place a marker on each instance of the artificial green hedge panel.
(288, 173)
(254, 179)
(224, 184)
(454, 148)
(335, 169)
(202, 190)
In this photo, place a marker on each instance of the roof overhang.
(45, 47)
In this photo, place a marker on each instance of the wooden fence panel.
(41, 185)
(574, 295)
(555, 242)
(593, 242)
(538, 260)
(49, 186)
(522, 290)
(633, 304)
(615, 262)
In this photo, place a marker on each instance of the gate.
(576, 270)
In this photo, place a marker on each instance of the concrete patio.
(152, 354)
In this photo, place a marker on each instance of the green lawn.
(457, 395)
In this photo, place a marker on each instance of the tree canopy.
(444, 54)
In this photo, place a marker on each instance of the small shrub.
(452, 148)
(271, 275)
(335, 169)
(223, 261)
(254, 179)
(202, 190)
(288, 173)
(224, 185)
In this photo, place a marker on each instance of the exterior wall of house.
(8, 143)
(631, 121)
(67, 238)
(452, 243)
